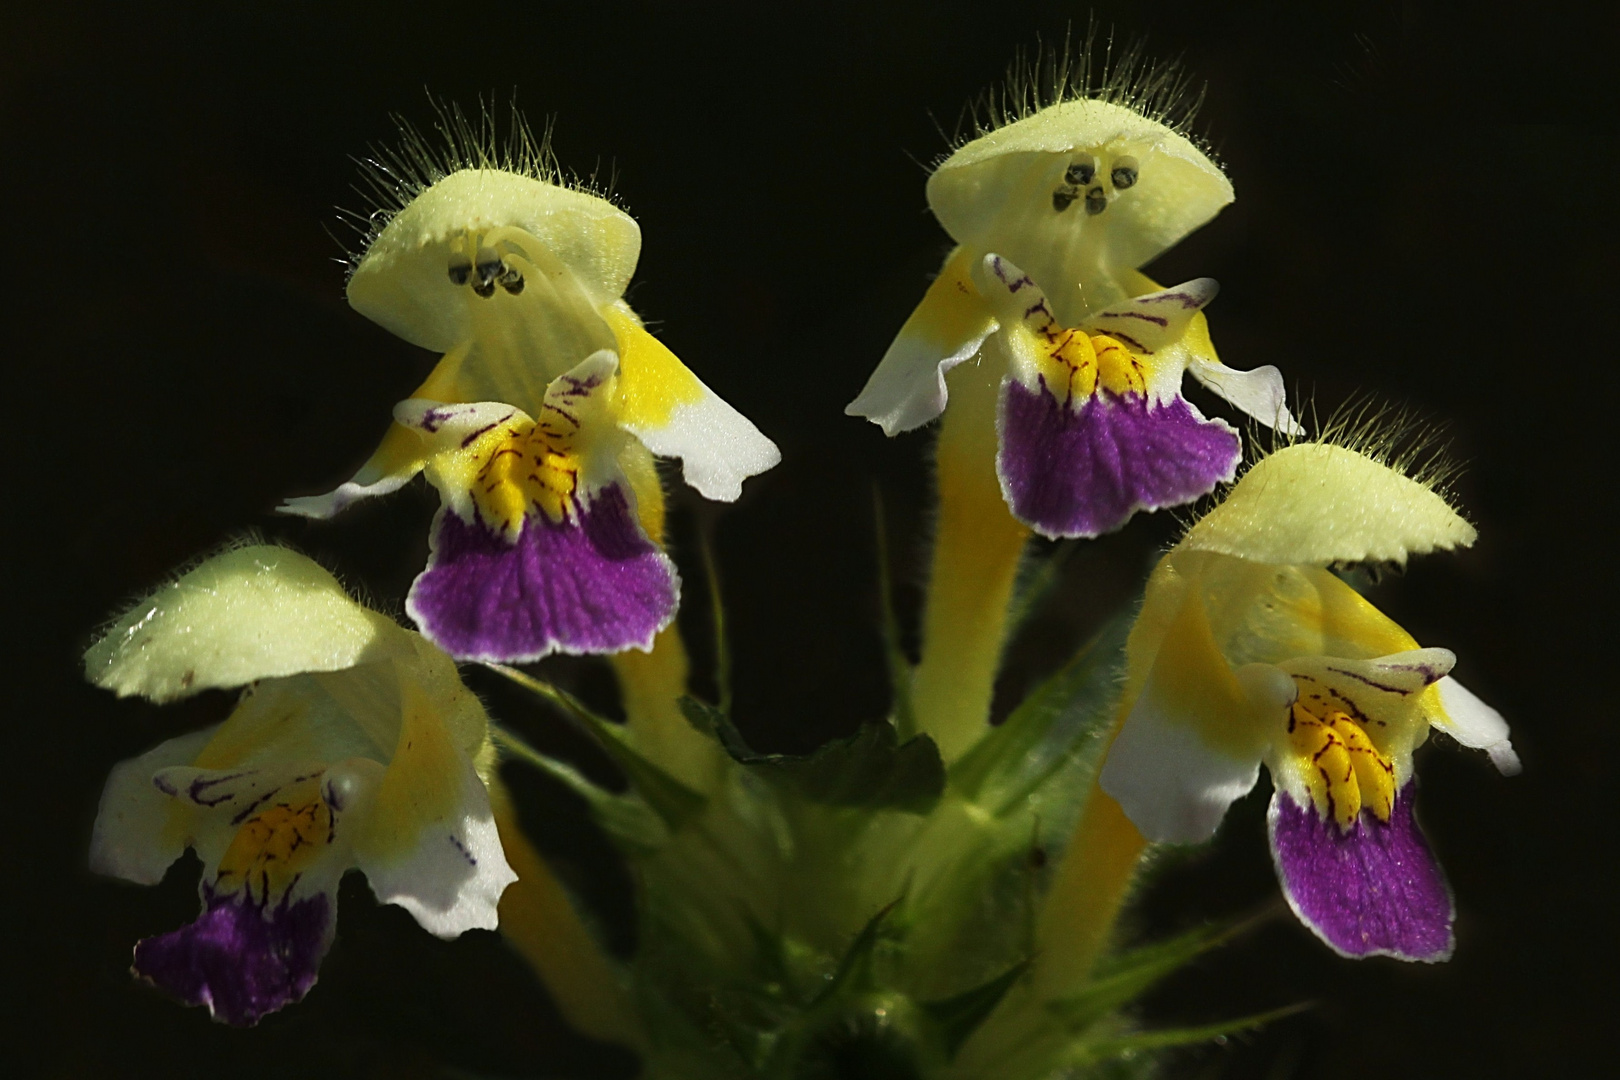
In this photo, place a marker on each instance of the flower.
(1091, 422)
(1247, 650)
(1053, 214)
(354, 745)
(537, 547)
(519, 282)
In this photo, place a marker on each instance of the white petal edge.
(1475, 724)
(1259, 393)
(718, 446)
(453, 880)
(129, 839)
(1173, 786)
(343, 496)
(907, 389)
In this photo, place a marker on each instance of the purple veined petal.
(1068, 471)
(1372, 890)
(592, 583)
(241, 958)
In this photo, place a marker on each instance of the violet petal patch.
(1374, 890)
(1085, 471)
(240, 958)
(592, 583)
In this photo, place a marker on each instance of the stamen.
(1062, 197)
(1096, 201)
(1124, 174)
(460, 270)
(1081, 170)
(489, 266)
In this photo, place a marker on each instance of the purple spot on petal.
(203, 784)
(239, 958)
(590, 584)
(474, 435)
(1375, 890)
(1157, 320)
(1085, 471)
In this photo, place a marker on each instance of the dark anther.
(1096, 201)
(1062, 197)
(486, 289)
(1124, 174)
(460, 271)
(1080, 172)
(511, 281)
(490, 269)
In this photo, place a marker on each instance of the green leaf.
(716, 723)
(869, 770)
(959, 1016)
(630, 821)
(672, 800)
(854, 972)
(1064, 721)
(1124, 977)
(1038, 576)
(1097, 1050)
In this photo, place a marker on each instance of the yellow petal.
(252, 613)
(1316, 504)
(907, 389)
(669, 409)
(1010, 192)
(401, 282)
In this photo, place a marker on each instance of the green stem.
(717, 611)
(900, 674)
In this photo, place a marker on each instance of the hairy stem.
(1077, 915)
(650, 688)
(977, 548)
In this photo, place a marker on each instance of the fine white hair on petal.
(1173, 786)
(1316, 503)
(1475, 724)
(718, 446)
(1258, 393)
(252, 613)
(452, 880)
(907, 389)
(130, 839)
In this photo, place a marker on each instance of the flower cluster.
(932, 895)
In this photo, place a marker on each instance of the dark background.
(1424, 212)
